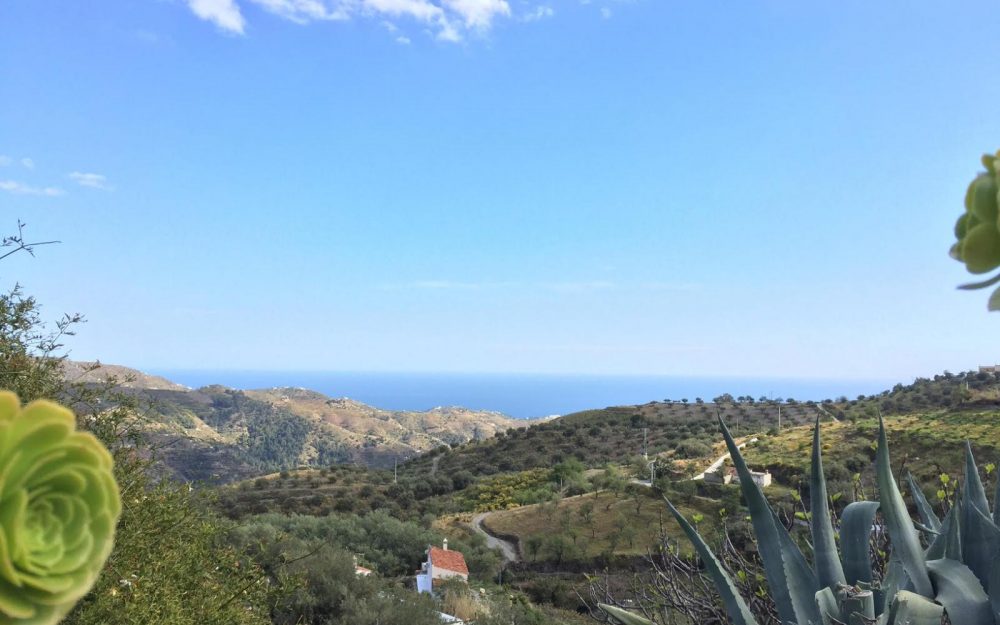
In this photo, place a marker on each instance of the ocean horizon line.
(522, 395)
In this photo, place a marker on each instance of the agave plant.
(957, 574)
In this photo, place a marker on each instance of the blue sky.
(707, 188)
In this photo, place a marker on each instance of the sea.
(524, 396)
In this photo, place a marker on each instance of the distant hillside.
(97, 372)
(219, 434)
(681, 430)
(928, 423)
(612, 435)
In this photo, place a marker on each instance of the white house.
(441, 564)
(729, 476)
(760, 478)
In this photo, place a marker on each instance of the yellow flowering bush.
(59, 504)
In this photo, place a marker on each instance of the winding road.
(510, 550)
(718, 461)
(507, 548)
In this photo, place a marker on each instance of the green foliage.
(692, 448)
(29, 351)
(388, 545)
(344, 489)
(501, 492)
(274, 437)
(320, 584)
(169, 566)
(978, 229)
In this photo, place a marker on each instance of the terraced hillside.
(615, 435)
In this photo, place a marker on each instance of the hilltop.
(613, 435)
(220, 434)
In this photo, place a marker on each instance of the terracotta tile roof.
(451, 560)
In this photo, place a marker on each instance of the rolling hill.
(218, 434)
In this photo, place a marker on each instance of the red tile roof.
(451, 560)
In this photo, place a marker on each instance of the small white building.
(760, 478)
(441, 564)
(729, 476)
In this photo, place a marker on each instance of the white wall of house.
(424, 583)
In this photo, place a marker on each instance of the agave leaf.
(901, 531)
(973, 488)
(801, 578)
(996, 502)
(980, 543)
(855, 529)
(995, 585)
(829, 570)
(953, 539)
(948, 535)
(737, 609)
(793, 591)
(858, 604)
(895, 579)
(626, 618)
(927, 515)
(909, 608)
(829, 610)
(960, 592)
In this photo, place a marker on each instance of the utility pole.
(779, 417)
(645, 450)
(395, 462)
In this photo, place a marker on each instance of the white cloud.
(5, 160)
(606, 13)
(479, 14)
(445, 19)
(27, 162)
(541, 12)
(403, 40)
(302, 11)
(449, 32)
(93, 181)
(223, 13)
(19, 188)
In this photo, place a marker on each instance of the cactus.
(978, 229)
(957, 576)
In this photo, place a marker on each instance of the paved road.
(718, 461)
(506, 547)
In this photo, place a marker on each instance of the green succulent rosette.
(59, 504)
(978, 229)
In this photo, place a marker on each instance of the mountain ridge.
(220, 434)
